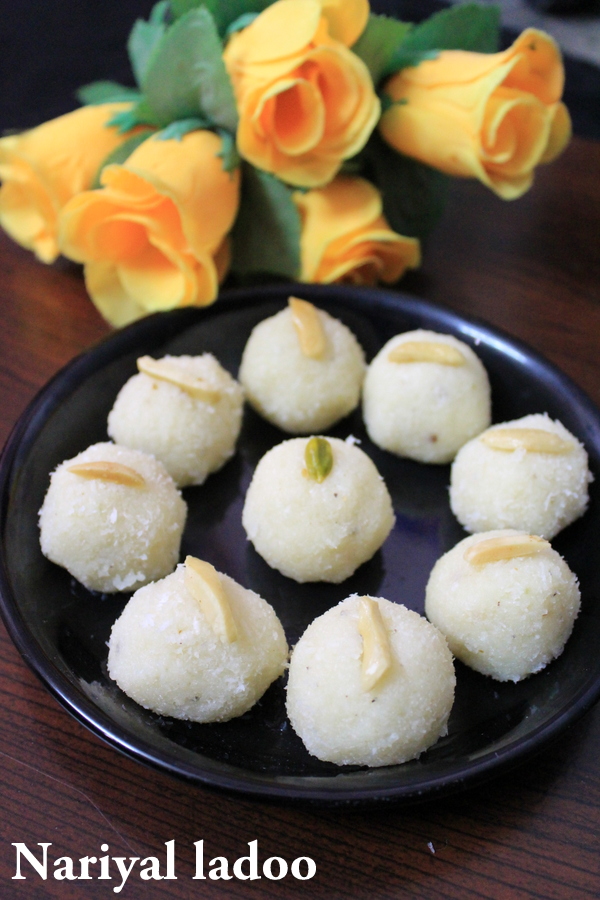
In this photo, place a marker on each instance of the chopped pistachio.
(377, 652)
(165, 370)
(203, 582)
(318, 457)
(505, 546)
(309, 328)
(102, 470)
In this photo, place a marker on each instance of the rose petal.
(280, 31)
(560, 133)
(386, 255)
(294, 114)
(28, 216)
(515, 133)
(537, 66)
(152, 280)
(130, 188)
(347, 19)
(345, 205)
(105, 289)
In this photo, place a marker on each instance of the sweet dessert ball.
(317, 508)
(425, 394)
(113, 518)
(370, 683)
(530, 474)
(302, 370)
(506, 602)
(196, 645)
(185, 410)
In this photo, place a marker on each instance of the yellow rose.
(305, 101)
(345, 236)
(494, 117)
(153, 237)
(43, 168)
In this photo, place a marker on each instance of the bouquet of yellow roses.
(306, 139)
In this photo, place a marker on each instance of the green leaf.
(160, 12)
(106, 92)
(379, 42)
(229, 152)
(121, 153)
(468, 26)
(240, 23)
(138, 114)
(180, 7)
(413, 194)
(186, 76)
(224, 12)
(144, 38)
(176, 130)
(266, 234)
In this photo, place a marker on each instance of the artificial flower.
(154, 236)
(305, 101)
(494, 117)
(41, 169)
(345, 236)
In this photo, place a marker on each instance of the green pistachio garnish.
(318, 457)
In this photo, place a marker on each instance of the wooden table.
(531, 267)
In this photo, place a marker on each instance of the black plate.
(61, 629)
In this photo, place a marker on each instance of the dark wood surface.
(531, 267)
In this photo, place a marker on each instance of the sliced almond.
(204, 583)
(309, 328)
(534, 440)
(165, 370)
(102, 470)
(506, 546)
(377, 653)
(426, 351)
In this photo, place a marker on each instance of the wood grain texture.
(531, 267)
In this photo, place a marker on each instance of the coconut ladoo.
(370, 683)
(506, 602)
(185, 410)
(425, 395)
(531, 474)
(302, 369)
(197, 645)
(113, 518)
(317, 508)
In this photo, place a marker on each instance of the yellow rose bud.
(43, 168)
(345, 236)
(305, 101)
(494, 116)
(154, 236)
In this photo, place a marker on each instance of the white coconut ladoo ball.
(425, 394)
(530, 474)
(196, 645)
(302, 370)
(317, 508)
(113, 518)
(506, 602)
(370, 683)
(185, 410)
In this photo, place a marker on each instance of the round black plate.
(61, 629)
